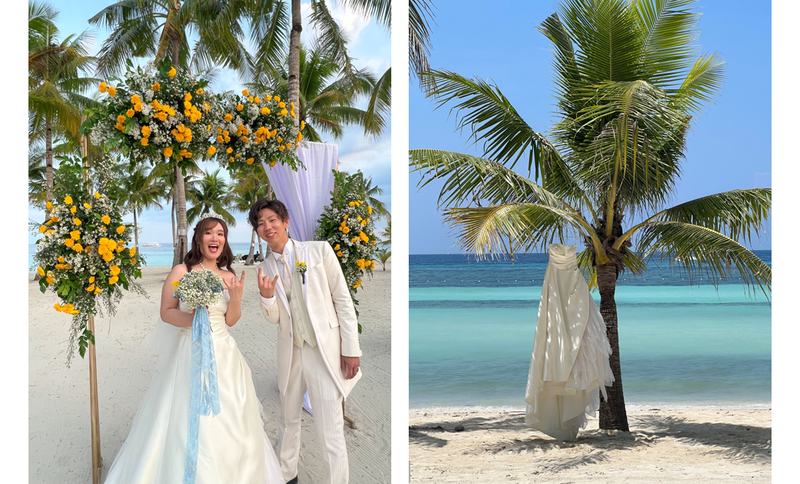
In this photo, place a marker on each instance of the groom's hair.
(275, 205)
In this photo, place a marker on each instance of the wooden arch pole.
(97, 459)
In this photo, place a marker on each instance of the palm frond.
(699, 249)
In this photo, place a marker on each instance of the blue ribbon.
(204, 392)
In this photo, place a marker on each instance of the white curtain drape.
(305, 192)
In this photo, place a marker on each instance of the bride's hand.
(235, 287)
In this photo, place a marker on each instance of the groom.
(318, 349)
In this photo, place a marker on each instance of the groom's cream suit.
(316, 326)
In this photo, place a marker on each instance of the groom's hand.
(350, 366)
(266, 284)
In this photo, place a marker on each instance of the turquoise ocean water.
(471, 333)
(158, 256)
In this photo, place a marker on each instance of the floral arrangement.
(153, 113)
(198, 288)
(83, 254)
(346, 225)
(251, 127)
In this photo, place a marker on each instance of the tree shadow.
(731, 441)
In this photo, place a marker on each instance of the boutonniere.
(301, 268)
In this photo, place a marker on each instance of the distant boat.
(150, 244)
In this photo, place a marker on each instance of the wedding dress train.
(569, 363)
(232, 445)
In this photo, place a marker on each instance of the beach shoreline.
(493, 444)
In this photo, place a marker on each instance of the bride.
(232, 446)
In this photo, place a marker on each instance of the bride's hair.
(194, 256)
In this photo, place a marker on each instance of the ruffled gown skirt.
(569, 363)
(233, 447)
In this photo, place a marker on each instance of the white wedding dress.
(233, 447)
(569, 364)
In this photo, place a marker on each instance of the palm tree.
(328, 95)
(165, 179)
(211, 194)
(250, 185)
(140, 190)
(387, 234)
(628, 83)
(56, 81)
(160, 28)
(382, 255)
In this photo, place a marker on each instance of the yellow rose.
(281, 105)
(245, 93)
(87, 206)
(187, 97)
(168, 151)
(69, 242)
(212, 150)
(61, 259)
(146, 131)
(103, 87)
(77, 248)
(108, 257)
(239, 107)
(172, 72)
(120, 229)
(113, 280)
(111, 91)
(339, 253)
(75, 234)
(144, 141)
(156, 87)
(133, 251)
(49, 205)
(229, 150)
(91, 278)
(97, 290)
(250, 161)
(135, 99)
(43, 229)
(106, 219)
(40, 271)
(73, 209)
(264, 110)
(90, 288)
(277, 99)
(130, 113)
(76, 221)
(114, 270)
(199, 91)
(97, 195)
(273, 163)
(68, 200)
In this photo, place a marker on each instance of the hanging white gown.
(233, 447)
(569, 364)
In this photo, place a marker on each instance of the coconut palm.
(328, 95)
(160, 28)
(140, 189)
(386, 233)
(628, 83)
(211, 194)
(368, 192)
(57, 79)
(382, 255)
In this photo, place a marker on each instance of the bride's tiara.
(210, 215)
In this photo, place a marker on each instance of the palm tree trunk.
(613, 415)
(179, 195)
(48, 139)
(294, 59)
(249, 260)
(135, 228)
(172, 216)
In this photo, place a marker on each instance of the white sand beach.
(477, 445)
(59, 415)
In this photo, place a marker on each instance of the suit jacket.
(330, 309)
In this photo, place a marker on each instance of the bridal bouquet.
(198, 288)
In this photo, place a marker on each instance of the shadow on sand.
(731, 441)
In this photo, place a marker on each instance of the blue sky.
(369, 45)
(729, 146)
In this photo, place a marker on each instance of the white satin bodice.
(216, 315)
(563, 256)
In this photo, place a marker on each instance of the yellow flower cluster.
(182, 133)
(107, 247)
(355, 286)
(191, 110)
(66, 308)
(362, 264)
(106, 88)
(356, 203)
